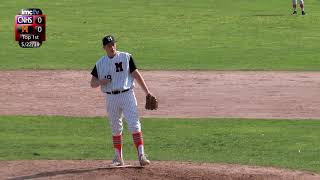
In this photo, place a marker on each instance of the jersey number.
(119, 67)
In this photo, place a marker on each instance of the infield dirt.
(278, 95)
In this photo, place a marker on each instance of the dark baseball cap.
(108, 39)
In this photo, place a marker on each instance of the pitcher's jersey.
(118, 69)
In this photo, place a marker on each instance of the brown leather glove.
(151, 102)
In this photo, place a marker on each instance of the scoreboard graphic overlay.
(30, 28)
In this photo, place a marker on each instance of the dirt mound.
(67, 169)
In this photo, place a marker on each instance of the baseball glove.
(151, 102)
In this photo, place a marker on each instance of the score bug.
(30, 27)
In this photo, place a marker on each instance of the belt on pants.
(118, 91)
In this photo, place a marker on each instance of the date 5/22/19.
(30, 44)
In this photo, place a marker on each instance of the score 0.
(40, 27)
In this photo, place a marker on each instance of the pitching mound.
(67, 169)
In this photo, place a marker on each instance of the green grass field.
(169, 34)
(254, 142)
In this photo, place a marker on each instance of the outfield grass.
(167, 34)
(254, 142)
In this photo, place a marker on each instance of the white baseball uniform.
(295, 2)
(118, 69)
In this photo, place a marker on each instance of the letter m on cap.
(119, 67)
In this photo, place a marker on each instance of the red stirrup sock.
(117, 144)
(138, 142)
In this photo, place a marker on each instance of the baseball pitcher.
(115, 74)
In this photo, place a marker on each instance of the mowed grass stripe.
(205, 34)
(286, 143)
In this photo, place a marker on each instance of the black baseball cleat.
(294, 13)
(303, 13)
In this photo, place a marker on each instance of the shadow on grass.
(69, 171)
